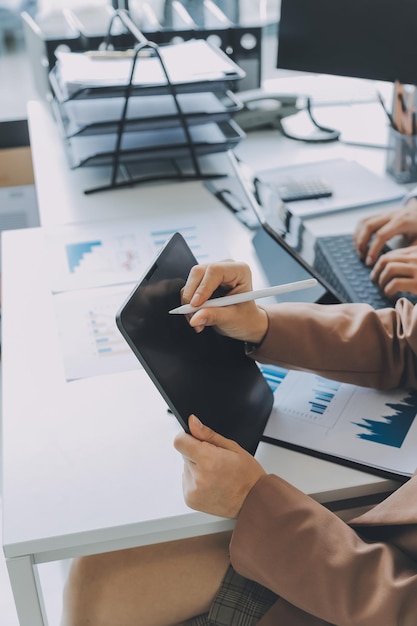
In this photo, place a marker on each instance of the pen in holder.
(402, 157)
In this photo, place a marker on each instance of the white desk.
(60, 190)
(78, 456)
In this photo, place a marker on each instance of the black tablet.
(202, 373)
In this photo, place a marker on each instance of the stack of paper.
(186, 112)
(190, 64)
(357, 426)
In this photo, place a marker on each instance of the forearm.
(308, 556)
(351, 343)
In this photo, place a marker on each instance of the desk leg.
(27, 591)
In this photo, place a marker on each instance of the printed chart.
(372, 428)
(112, 253)
(92, 345)
(94, 267)
(393, 428)
(94, 256)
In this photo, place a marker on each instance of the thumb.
(204, 433)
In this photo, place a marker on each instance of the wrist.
(259, 328)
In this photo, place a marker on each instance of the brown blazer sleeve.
(350, 342)
(316, 562)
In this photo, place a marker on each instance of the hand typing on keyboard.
(396, 270)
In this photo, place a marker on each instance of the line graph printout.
(113, 252)
(373, 428)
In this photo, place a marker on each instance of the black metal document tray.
(192, 66)
(170, 143)
(94, 117)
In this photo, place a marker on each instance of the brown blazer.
(324, 570)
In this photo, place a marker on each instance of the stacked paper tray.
(103, 121)
(169, 143)
(192, 66)
(92, 117)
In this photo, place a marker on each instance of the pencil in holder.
(402, 157)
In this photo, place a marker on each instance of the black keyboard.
(336, 261)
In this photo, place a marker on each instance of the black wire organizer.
(147, 130)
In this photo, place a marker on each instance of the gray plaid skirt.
(239, 602)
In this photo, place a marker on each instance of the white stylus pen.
(246, 296)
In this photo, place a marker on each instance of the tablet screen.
(203, 373)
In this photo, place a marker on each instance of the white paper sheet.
(372, 428)
(187, 62)
(93, 269)
(112, 252)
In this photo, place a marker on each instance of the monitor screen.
(374, 39)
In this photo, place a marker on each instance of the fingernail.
(197, 421)
(368, 260)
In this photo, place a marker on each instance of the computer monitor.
(373, 39)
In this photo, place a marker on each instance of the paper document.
(156, 144)
(91, 343)
(94, 267)
(372, 429)
(113, 252)
(353, 186)
(144, 113)
(193, 61)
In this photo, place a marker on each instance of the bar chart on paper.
(364, 426)
(94, 268)
(91, 342)
(95, 256)
(122, 252)
(110, 253)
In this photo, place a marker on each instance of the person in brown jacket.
(289, 561)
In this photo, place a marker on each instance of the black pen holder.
(402, 157)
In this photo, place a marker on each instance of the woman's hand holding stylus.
(245, 321)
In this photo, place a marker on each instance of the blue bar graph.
(273, 375)
(105, 339)
(324, 392)
(161, 236)
(77, 251)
